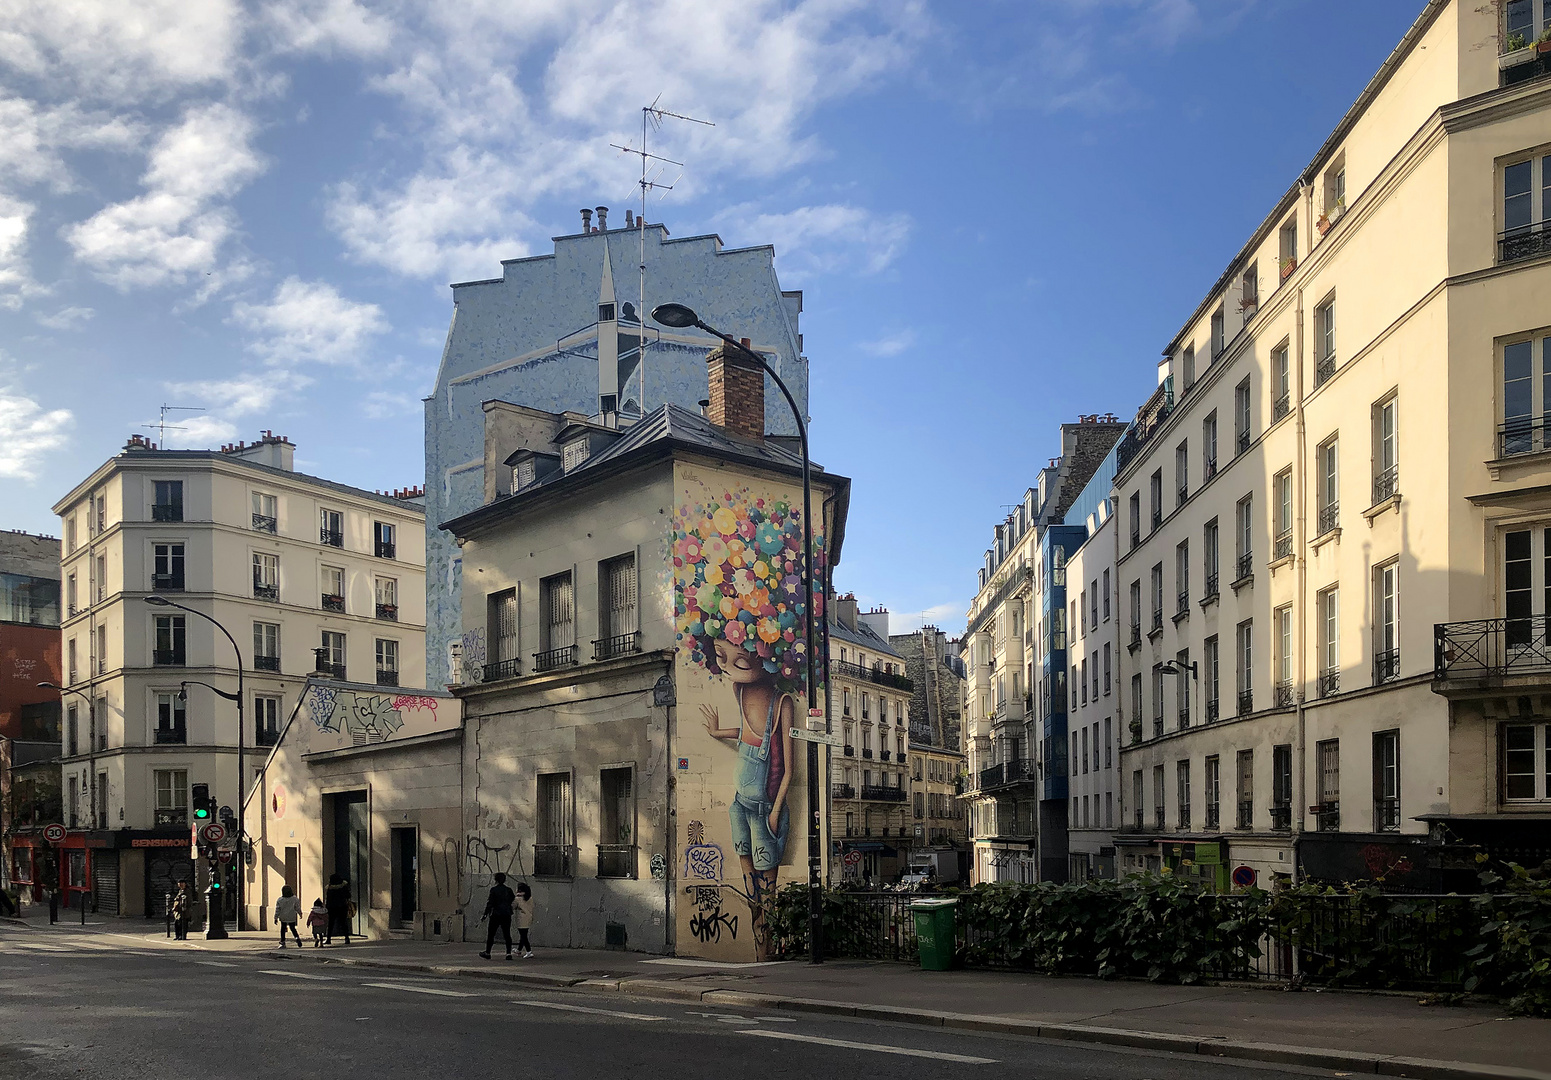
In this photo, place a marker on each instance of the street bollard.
(53, 906)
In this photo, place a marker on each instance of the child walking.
(288, 910)
(522, 910)
(318, 922)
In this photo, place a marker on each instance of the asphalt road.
(90, 1006)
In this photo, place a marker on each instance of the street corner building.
(364, 781)
(633, 667)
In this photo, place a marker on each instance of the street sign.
(1244, 876)
(852, 858)
(225, 855)
(212, 833)
(817, 736)
(54, 833)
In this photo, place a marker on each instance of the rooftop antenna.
(652, 117)
(162, 427)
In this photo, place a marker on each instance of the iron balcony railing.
(333, 602)
(1213, 816)
(880, 793)
(171, 736)
(1386, 667)
(333, 671)
(617, 645)
(1386, 484)
(266, 592)
(1138, 820)
(502, 669)
(266, 663)
(1281, 816)
(1184, 818)
(1246, 702)
(1492, 648)
(167, 582)
(1157, 726)
(873, 675)
(1157, 618)
(1243, 441)
(1522, 435)
(1282, 546)
(883, 755)
(1208, 467)
(550, 659)
(616, 860)
(1284, 694)
(1245, 566)
(1149, 418)
(1386, 814)
(1246, 815)
(265, 523)
(1184, 717)
(1323, 371)
(386, 549)
(168, 657)
(331, 537)
(1157, 518)
(1524, 242)
(850, 750)
(1158, 819)
(1281, 407)
(165, 818)
(554, 860)
(842, 791)
(1327, 816)
(867, 752)
(390, 612)
(387, 678)
(1136, 633)
(1136, 536)
(1182, 604)
(1212, 710)
(265, 737)
(1211, 586)
(1183, 494)
(1329, 517)
(167, 512)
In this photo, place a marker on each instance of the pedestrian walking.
(180, 912)
(288, 911)
(318, 922)
(498, 914)
(524, 912)
(336, 898)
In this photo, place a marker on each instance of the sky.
(999, 213)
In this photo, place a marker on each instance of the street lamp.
(162, 601)
(679, 317)
(91, 743)
(1180, 668)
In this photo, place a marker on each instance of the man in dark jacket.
(336, 897)
(498, 912)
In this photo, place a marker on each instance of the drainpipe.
(1301, 562)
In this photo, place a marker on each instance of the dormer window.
(523, 474)
(575, 454)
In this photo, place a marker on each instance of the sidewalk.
(1355, 1032)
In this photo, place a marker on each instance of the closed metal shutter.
(105, 880)
(164, 868)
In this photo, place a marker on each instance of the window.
(171, 719)
(1282, 620)
(1335, 190)
(1182, 790)
(1136, 611)
(1109, 744)
(1135, 506)
(1281, 787)
(1246, 789)
(169, 644)
(1525, 768)
(1209, 557)
(1136, 707)
(1212, 792)
(100, 515)
(168, 504)
(1246, 666)
(501, 633)
(1218, 339)
(1386, 781)
(1525, 217)
(1386, 463)
(1136, 798)
(266, 720)
(1386, 628)
(1106, 669)
(1105, 594)
(73, 802)
(524, 473)
(171, 796)
(266, 576)
(1211, 676)
(70, 535)
(387, 590)
(1282, 514)
(1157, 700)
(575, 453)
(331, 528)
(71, 604)
(387, 662)
(1281, 383)
(1157, 596)
(266, 646)
(332, 649)
(166, 569)
(1182, 686)
(1244, 529)
(1328, 491)
(1287, 248)
(1209, 447)
(1329, 642)
(1093, 604)
(1328, 756)
(70, 662)
(1182, 577)
(1182, 473)
(1241, 420)
(1093, 667)
(265, 513)
(1324, 342)
(1526, 394)
(384, 540)
(1187, 363)
(557, 628)
(100, 660)
(1249, 292)
(1158, 802)
(332, 588)
(100, 578)
(1155, 497)
(552, 856)
(72, 731)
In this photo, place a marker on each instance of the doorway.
(405, 867)
(352, 851)
(293, 869)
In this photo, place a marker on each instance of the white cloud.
(823, 239)
(32, 136)
(179, 226)
(389, 404)
(66, 318)
(15, 276)
(310, 322)
(28, 433)
(943, 616)
(324, 26)
(229, 401)
(890, 344)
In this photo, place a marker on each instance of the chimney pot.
(629, 219)
(603, 219)
(586, 220)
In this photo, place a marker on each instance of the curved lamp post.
(680, 317)
(91, 769)
(162, 601)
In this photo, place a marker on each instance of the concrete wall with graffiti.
(402, 750)
(741, 679)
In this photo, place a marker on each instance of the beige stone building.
(288, 564)
(1334, 513)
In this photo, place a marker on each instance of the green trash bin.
(934, 932)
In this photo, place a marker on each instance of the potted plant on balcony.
(1543, 42)
(1289, 264)
(1323, 224)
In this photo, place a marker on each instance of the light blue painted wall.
(538, 301)
(1097, 490)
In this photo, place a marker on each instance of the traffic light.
(204, 806)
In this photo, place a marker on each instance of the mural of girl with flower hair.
(739, 608)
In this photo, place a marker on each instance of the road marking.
(418, 989)
(41, 947)
(876, 1047)
(584, 1009)
(217, 963)
(295, 974)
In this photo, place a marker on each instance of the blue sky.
(999, 213)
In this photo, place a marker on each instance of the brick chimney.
(737, 392)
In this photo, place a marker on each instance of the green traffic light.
(201, 813)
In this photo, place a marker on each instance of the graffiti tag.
(707, 926)
(659, 867)
(703, 861)
(474, 645)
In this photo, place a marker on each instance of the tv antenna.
(162, 427)
(652, 117)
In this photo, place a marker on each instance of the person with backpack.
(498, 914)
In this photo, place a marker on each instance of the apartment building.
(176, 566)
(936, 670)
(1334, 508)
(870, 791)
(1016, 666)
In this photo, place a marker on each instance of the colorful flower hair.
(737, 566)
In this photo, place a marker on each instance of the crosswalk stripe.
(39, 946)
(297, 975)
(878, 1048)
(418, 989)
(217, 963)
(584, 1009)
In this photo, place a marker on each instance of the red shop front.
(68, 866)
